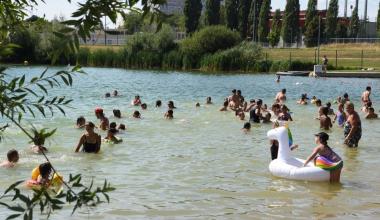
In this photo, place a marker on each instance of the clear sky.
(56, 8)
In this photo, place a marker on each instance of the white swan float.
(289, 167)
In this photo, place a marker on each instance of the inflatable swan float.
(289, 167)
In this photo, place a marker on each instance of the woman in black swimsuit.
(90, 140)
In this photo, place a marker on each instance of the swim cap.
(98, 110)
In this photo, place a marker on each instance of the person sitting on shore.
(225, 107)
(171, 105)
(144, 106)
(122, 127)
(340, 115)
(285, 115)
(324, 119)
(246, 127)
(12, 159)
(136, 114)
(104, 123)
(169, 114)
(330, 110)
(303, 100)
(158, 103)
(116, 113)
(90, 141)
(111, 138)
(208, 101)
(81, 122)
(281, 96)
(371, 114)
(137, 101)
(325, 158)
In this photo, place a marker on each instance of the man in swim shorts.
(281, 96)
(352, 127)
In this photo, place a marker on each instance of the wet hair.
(318, 102)
(259, 102)
(90, 124)
(112, 130)
(239, 92)
(325, 110)
(252, 101)
(225, 103)
(247, 125)
(136, 114)
(158, 103)
(12, 154)
(108, 95)
(328, 104)
(234, 91)
(208, 99)
(80, 119)
(115, 93)
(171, 103)
(144, 106)
(113, 125)
(45, 169)
(370, 109)
(197, 104)
(284, 107)
(122, 126)
(345, 95)
(137, 97)
(303, 96)
(368, 88)
(283, 91)
(117, 113)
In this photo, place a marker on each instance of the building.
(173, 6)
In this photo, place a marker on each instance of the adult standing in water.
(281, 96)
(352, 127)
(255, 113)
(104, 122)
(365, 96)
(90, 140)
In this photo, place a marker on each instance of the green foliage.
(263, 28)
(27, 42)
(295, 65)
(341, 30)
(208, 40)
(212, 13)
(192, 11)
(133, 21)
(243, 13)
(253, 18)
(312, 24)
(44, 199)
(378, 22)
(290, 26)
(354, 24)
(332, 19)
(231, 7)
(274, 35)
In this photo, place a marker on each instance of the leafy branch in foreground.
(45, 200)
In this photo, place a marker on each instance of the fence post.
(361, 63)
(336, 59)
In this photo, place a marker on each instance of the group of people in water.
(345, 116)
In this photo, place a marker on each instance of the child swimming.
(41, 174)
(111, 138)
(81, 122)
(144, 106)
(136, 114)
(371, 114)
(169, 114)
(116, 113)
(12, 159)
(246, 127)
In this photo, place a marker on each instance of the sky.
(57, 8)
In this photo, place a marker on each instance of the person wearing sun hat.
(325, 158)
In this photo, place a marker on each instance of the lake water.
(201, 165)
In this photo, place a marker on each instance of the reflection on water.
(201, 165)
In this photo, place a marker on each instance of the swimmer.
(169, 114)
(208, 100)
(90, 140)
(352, 129)
(324, 119)
(116, 113)
(324, 151)
(121, 127)
(340, 115)
(171, 105)
(371, 114)
(225, 107)
(104, 123)
(330, 110)
(81, 122)
(107, 95)
(313, 100)
(111, 136)
(246, 127)
(318, 103)
(136, 114)
(45, 170)
(144, 106)
(281, 96)
(113, 125)
(255, 113)
(115, 93)
(366, 95)
(12, 159)
(197, 105)
(303, 100)
(284, 115)
(137, 101)
(158, 103)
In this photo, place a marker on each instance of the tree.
(243, 17)
(231, 7)
(263, 29)
(133, 22)
(378, 22)
(290, 25)
(192, 11)
(212, 12)
(332, 19)
(253, 18)
(274, 35)
(341, 30)
(354, 24)
(311, 24)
